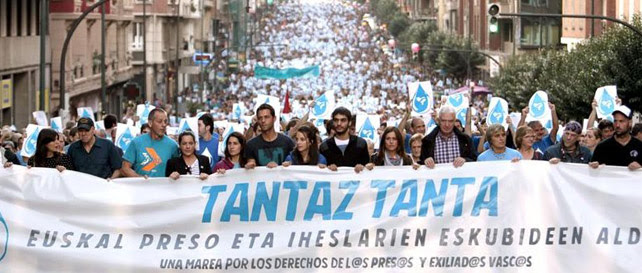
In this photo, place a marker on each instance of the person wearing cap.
(147, 154)
(94, 155)
(569, 149)
(622, 149)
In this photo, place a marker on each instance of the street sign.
(202, 58)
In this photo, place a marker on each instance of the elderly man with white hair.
(446, 144)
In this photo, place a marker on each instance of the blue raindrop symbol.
(30, 147)
(85, 114)
(55, 126)
(455, 100)
(237, 112)
(320, 105)
(125, 139)
(145, 114)
(461, 115)
(537, 107)
(607, 103)
(420, 101)
(367, 130)
(497, 115)
(549, 124)
(610, 118)
(184, 128)
(267, 100)
(318, 123)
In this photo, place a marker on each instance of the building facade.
(20, 59)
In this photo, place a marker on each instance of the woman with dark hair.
(48, 152)
(391, 150)
(307, 149)
(188, 162)
(234, 154)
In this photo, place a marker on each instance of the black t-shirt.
(265, 152)
(610, 152)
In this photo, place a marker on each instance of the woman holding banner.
(524, 139)
(391, 151)
(496, 135)
(307, 149)
(48, 152)
(234, 154)
(188, 162)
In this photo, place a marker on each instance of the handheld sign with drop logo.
(538, 105)
(231, 128)
(367, 126)
(124, 135)
(605, 98)
(40, 117)
(86, 112)
(142, 111)
(29, 145)
(460, 102)
(324, 105)
(237, 111)
(56, 124)
(498, 111)
(421, 97)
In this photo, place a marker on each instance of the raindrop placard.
(498, 111)
(323, 106)
(605, 98)
(421, 97)
(367, 126)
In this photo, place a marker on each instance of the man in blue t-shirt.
(208, 139)
(147, 154)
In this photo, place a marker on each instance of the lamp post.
(44, 21)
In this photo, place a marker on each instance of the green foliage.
(385, 10)
(398, 24)
(572, 78)
(438, 53)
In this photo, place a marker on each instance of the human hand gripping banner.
(529, 216)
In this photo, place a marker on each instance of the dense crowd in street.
(365, 78)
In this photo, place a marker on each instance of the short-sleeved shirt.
(446, 148)
(265, 152)
(611, 152)
(212, 149)
(490, 155)
(543, 144)
(149, 157)
(102, 160)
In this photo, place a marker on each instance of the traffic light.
(493, 22)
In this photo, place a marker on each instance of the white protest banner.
(85, 112)
(40, 117)
(605, 98)
(142, 111)
(56, 124)
(367, 126)
(124, 135)
(323, 106)
(29, 144)
(420, 95)
(529, 216)
(497, 112)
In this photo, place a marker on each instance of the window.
(545, 34)
(19, 8)
(137, 31)
(9, 18)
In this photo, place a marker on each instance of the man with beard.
(622, 149)
(344, 150)
(269, 148)
(569, 149)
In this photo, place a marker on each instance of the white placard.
(606, 103)
(421, 97)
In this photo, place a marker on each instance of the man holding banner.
(344, 149)
(94, 155)
(148, 153)
(446, 144)
(269, 148)
(622, 149)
